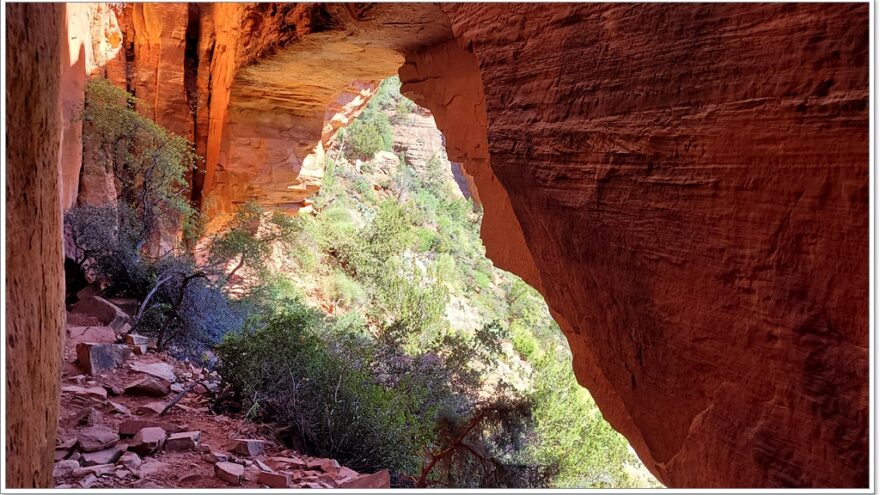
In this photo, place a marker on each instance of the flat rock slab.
(148, 441)
(135, 339)
(96, 438)
(249, 446)
(327, 465)
(100, 335)
(147, 386)
(160, 370)
(229, 472)
(274, 480)
(186, 440)
(130, 460)
(95, 357)
(152, 408)
(132, 426)
(381, 479)
(278, 462)
(63, 469)
(106, 456)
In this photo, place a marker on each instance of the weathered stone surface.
(274, 480)
(381, 479)
(132, 426)
(134, 339)
(105, 456)
(147, 386)
(96, 438)
(148, 441)
(101, 335)
(64, 469)
(149, 408)
(104, 310)
(229, 472)
(34, 332)
(248, 446)
(130, 460)
(159, 370)
(88, 416)
(96, 469)
(186, 440)
(94, 358)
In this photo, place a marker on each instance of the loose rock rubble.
(125, 443)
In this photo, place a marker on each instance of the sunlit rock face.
(687, 185)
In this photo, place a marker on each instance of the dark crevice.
(191, 86)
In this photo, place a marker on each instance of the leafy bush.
(342, 290)
(369, 134)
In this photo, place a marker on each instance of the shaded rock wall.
(692, 184)
(34, 276)
(686, 185)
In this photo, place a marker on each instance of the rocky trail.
(113, 433)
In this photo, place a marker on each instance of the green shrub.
(342, 290)
(369, 134)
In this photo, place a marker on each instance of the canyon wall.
(687, 185)
(34, 276)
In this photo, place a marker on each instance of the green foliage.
(344, 291)
(149, 163)
(369, 134)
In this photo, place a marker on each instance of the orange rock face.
(687, 185)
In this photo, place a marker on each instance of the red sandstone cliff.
(686, 184)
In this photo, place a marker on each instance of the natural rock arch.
(685, 184)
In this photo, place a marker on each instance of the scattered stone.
(310, 484)
(106, 456)
(200, 389)
(94, 357)
(88, 481)
(75, 456)
(119, 408)
(151, 408)
(248, 446)
(147, 386)
(281, 463)
(229, 472)
(138, 350)
(63, 450)
(135, 339)
(186, 440)
(251, 473)
(217, 456)
(64, 487)
(160, 370)
(130, 460)
(176, 388)
(262, 466)
(327, 465)
(203, 448)
(132, 426)
(381, 479)
(96, 438)
(97, 470)
(148, 441)
(89, 395)
(274, 480)
(88, 416)
(79, 379)
(63, 469)
(152, 345)
(121, 473)
(112, 389)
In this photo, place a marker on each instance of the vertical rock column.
(34, 278)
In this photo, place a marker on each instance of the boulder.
(64, 469)
(187, 440)
(274, 480)
(132, 426)
(160, 370)
(229, 472)
(148, 441)
(96, 438)
(95, 357)
(147, 386)
(130, 460)
(105, 456)
(381, 479)
(248, 446)
(101, 335)
(105, 311)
